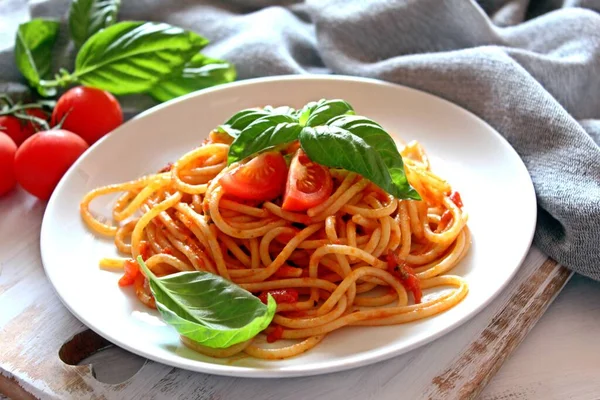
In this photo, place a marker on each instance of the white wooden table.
(560, 359)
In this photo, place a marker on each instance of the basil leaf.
(198, 73)
(325, 110)
(33, 52)
(336, 147)
(262, 134)
(87, 17)
(209, 309)
(305, 112)
(240, 120)
(376, 137)
(131, 57)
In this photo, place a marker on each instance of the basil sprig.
(330, 134)
(86, 17)
(33, 51)
(122, 58)
(209, 309)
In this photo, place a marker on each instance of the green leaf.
(305, 112)
(324, 110)
(336, 147)
(33, 51)
(198, 73)
(87, 17)
(208, 308)
(376, 137)
(263, 133)
(132, 57)
(240, 120)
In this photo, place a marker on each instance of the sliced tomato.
(262, 178)
(308, 184)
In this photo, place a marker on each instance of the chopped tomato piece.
(132, 270)
(405, 275)
(276, 334)
(262, 178)
(308, 184)
(166, 168)
(455, 197)
(142, 291)
(280, 295)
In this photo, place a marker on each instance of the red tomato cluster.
(37, 158)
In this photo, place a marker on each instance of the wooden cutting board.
(41, 343)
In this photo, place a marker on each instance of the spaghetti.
(347, 261)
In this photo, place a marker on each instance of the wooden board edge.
(10, 387)
(549, 278)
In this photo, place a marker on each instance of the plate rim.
(330, 366)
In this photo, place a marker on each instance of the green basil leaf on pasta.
(33, 52)
(240, 120)
(262, 134)
(336, 147)
(376, 137)
(209, 309)
(132, 57)
(86, 17)
(324, 110)
(198, 73)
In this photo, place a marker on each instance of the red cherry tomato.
(262, 178)
(44, 158)
(14, 128)
(308, 184)
(20, 129)
(89, 112)
(8, 148)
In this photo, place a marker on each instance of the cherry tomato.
(89, 112)
(14, 128)
(262, 178)
(8, 148)
(44, 158)
(131, 272)
(308, 184)
(20, 129)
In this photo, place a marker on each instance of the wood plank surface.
(34, 328)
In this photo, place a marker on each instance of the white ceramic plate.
(477, 161)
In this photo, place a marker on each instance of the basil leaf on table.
(209, 309)
(326, 110)
(376, 137)
(132, 57)
(33, 52)
(198, 73)
(263, 133)
(336, 147)
(87, 17)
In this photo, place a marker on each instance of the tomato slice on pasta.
(308, 184)
(262, 178)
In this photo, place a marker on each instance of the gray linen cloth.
(529, 68)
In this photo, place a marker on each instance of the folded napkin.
(531, 69)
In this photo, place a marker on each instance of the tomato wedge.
(308, 184)
(262, 178)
